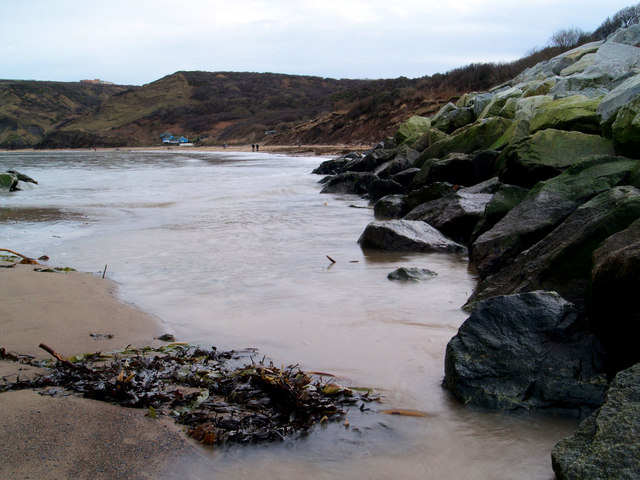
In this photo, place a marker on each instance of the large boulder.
(502, 202)
(334, 166)
(8, 182)
(618, 97)
(450, 118)
(405, 177)
(548, 153)
(625, 130)
(576, 112)
(412, 130)
(349, 182)
(561, 261)
(526, 351)
(478, 136)
(458, 168)
(403, 160)
(607, 444)
(455, 215)
(544, 208)
(390, 207)
(405, 235)
(433, 191)
(614, 310)
(380, 188)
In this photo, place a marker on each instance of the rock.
(561, 261)
(412, 129)
(613, 307)
(8, 182)
(525, 351)
(403, 160)
(488, 186)
(607, 444)
(548, 153)
(405, 235)
(451, 118)
(579, 66)
(499, 100)
(22, 177)
(332, 167)
(570, 113)
(380, 188)
(547, 205)
(478, 136)
(411, 274)
(405, 177)
(625, 130)
(617, 98)
(503, 201)
(459, 169)
(455, 215)
(350, 182)
(390, 207)
(627, 36)
(429, 192)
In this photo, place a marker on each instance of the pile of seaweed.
(214, 394)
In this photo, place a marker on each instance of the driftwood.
(59, 357)
(25, 259)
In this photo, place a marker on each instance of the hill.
(30, 109)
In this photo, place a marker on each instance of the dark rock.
(8, 182)
(411, 274)
(526, 351)
(561, 261)
(404, 159)
(607, 444)
(390, 207)
(332, 167)
(455, 215)
(459, 169)
(490, 186)
(405, 176)
(428, 193)
(350, 182)
(503, 201)
(404, 235)
(614, 310)
(548, 153)
(380, 188)
(544, 208)
(370, 161)
(22, 177)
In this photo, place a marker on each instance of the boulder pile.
(539, 180)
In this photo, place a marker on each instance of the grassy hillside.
(30, 109)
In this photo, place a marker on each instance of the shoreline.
(69, 436)
(318, 150)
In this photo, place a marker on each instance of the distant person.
(253, 147)
(257, 147)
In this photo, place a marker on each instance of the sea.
(231, 249)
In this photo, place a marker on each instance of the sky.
(134, 42)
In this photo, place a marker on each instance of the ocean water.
(230, 249)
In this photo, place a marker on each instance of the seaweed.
(217, 397)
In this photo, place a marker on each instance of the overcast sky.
(139, 41)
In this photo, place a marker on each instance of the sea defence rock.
(607, 444)
(618, 97)
(350, 182)
(379, 188)
(577, 112)
(455, 215)
(544, 208)
(429, 192)
(405, 177)
(526, 351)
(333, 166)
(390, 207)
(450, 118)
(548, 153)
(561, 261)
(404, 158)
(411, 274)
(625, 130)
(412, 130)
(405, 235)
(478, 136)
(613, 308)
(8, 182)
(458, 169)
(505, 199)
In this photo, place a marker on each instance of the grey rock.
(526, 351)
(405, 235)
(618, 97)
(350, 182)
(607, 444)
(405, 177)
(390, 207)
(380, 188)
(411, 274)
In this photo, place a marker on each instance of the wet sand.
(68, 436)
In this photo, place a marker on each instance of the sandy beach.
(49, 437)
